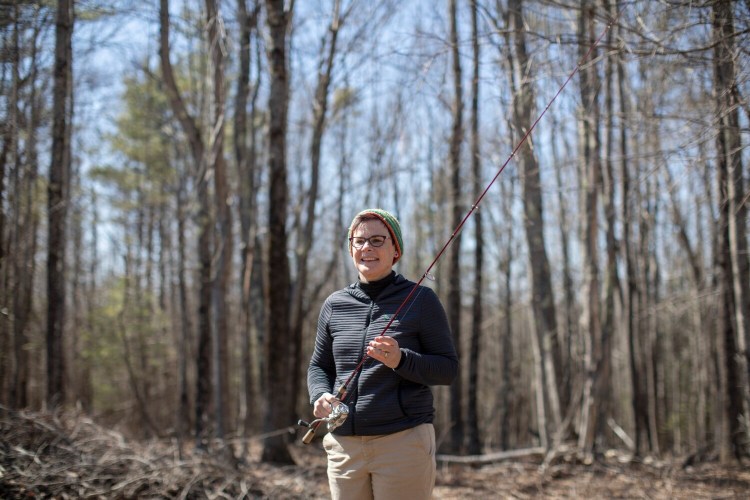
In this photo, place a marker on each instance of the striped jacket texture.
(382, 400)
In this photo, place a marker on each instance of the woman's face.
(373, 263)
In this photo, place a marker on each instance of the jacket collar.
(398, 284)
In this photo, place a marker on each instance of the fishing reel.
(339, 412)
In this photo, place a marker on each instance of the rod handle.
(309, 435)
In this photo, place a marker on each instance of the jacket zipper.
(355, 396)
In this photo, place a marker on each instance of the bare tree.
(197, 150)
(732, 253)
(612, 288)
(590, 178)
(223, 240)
(454, 264)
(570, 307)
(300, 307)
(247, 167)
(137, 383)
(185, 324)
(278, 346)
(631, 309)
(649, 277)
(16, 275)
(520, 71)
(57, 202)
(474, 439)
(505, 270)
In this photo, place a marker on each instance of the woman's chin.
(371, 273)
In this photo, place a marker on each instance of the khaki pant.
(392, 466)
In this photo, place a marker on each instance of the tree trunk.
(197, 149)
(695, 393)
(454, 265)
(57, 203)
(590, 178)
(137, 383)
(612, 288)
(649, 278)
(86, 397)
(74, 348)
(631, 309)
(144, 304)
(565, 358)
(733, 256)
(506, 271)
(730, 400)
(278, 346)
(224, 241)
(186, 327)
(543, 303)
(23, 245)
(245, 157)
(474, 438)
(8, 155)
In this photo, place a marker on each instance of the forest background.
(176, 179)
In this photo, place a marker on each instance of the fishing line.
(342, 392)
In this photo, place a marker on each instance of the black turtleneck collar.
(373, 288)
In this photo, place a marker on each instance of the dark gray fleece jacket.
(382, 400)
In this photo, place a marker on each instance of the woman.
(386, 446)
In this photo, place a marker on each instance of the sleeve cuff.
(401, 361)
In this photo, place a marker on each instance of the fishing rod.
(340, 411)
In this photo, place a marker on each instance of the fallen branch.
(491, 457)
(620, 433)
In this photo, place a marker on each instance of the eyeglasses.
(375, 241)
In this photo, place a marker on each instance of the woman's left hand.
(385, 349)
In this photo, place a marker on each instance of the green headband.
(390, 221)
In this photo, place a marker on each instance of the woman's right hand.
(324, 405)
